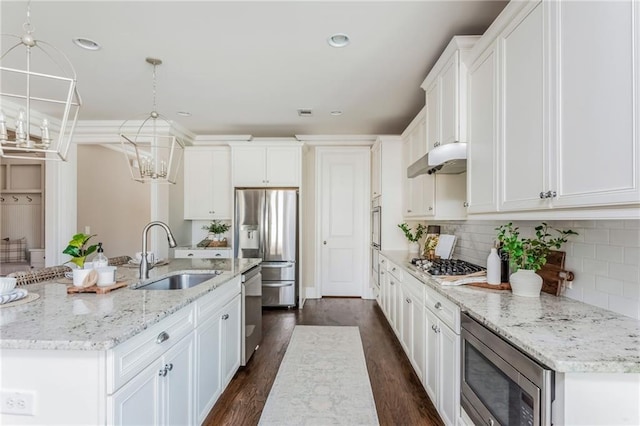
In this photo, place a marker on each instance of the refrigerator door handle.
(277, 285)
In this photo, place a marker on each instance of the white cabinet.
(36, 258)
(413, 336)
(270, 166)
(162, 393)
(376, 183)
(419, 192)
(217, 342)
(562, 81)
(482, 133)
(442, 363)
(207, 183)
(445, 91)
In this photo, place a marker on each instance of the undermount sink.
(179, 281)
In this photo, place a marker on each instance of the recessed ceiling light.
(336, 112)
(86, 43)
(184, 113)
(338, 40)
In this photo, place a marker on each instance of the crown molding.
(337, 140)
(108, 131)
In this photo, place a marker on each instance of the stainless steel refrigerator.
(267, 227)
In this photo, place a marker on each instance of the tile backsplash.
(605, 257)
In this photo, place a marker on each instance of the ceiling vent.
(305, 112)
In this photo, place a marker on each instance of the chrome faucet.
(144, 262)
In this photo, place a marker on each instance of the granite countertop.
(566, 335)
(89, 321)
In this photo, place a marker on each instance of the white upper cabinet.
(207, 183)
(445, 90)
(565, 98)
(522, 162)
(482, 133)
(419, 192)
(266, 165)
(376, 182)
(595, 149)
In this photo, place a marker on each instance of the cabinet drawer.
(202, 254)
(207, 305)
(413, 286)
(447, 311)
(134, 355)
(394, 270)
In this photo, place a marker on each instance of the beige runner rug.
(322, 380)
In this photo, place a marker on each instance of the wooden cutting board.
(550, 272)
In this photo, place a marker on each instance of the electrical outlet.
(17, 402)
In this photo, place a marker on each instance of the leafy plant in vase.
(217, 228)
(76, 249)
(413, 237)
(528, 255)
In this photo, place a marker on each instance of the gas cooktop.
(447, 266)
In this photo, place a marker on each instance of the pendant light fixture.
(156, 157)
(39, 101)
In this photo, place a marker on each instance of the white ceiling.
(246, 67)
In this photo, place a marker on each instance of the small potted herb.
(76, 249)
(413, 237)
(527, 255)
(217, 228)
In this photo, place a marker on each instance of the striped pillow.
(13, 250)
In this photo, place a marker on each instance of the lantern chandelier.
(35, 89)
(156, 156)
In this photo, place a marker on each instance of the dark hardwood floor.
(399, 395)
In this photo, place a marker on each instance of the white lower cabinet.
(442, 371)
(217, 355)
(162, 394)
(413, 336)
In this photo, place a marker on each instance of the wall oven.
(375, 224)
(501, 385)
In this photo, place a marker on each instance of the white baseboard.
(311, 293)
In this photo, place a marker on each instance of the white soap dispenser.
(100, 261)
(493, 267)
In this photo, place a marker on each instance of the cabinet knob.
(408, 300)
(391, 282)
(382, 261)
(438, 305)
(542, 195)
(430, 208)
(433, 327)
(168, 367)
(409, 211)
(551, 194)
(436, 144)
(324, 242)
(381, 272)
(225, 317)
(162, 337)
(163, 372)
(465, 204)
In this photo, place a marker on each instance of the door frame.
(366, 291)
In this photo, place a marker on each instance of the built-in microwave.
(375, 224)
(499, 384)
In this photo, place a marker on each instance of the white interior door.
(343, 188)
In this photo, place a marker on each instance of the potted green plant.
(528, 255)
(217, 228)
(413, 237)
(76, 249)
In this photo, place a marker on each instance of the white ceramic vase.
(525, 282)
(414, 248)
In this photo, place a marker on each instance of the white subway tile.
(632, 255)
(596, 236)
(595, 267)
(609, 253)
(624, 272)
(631, 290)
(610, 224)
(625, 237)
(583, 250)
(574, 293)
(596, 298)
(585, 223)
(585, 281)
(609, 285)
(630, 308)
(573, 264)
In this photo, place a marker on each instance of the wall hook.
(29, 198)
(14, 198)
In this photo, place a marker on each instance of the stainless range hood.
(449, 158)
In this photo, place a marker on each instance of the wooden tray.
(503, 286)
(95, 289)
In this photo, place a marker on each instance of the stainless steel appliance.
(375, 224)
(500, 384)
(447, 266)
(251, 312)
(267, 227)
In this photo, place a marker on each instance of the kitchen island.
(594, 353)
(121, 357)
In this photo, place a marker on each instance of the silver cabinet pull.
(190, 255)
(551, 194)
(162, 337)
(218, 255)
(465, 204)
(168, 367)
(162, 373)
(433, 327)
(225, 317)
(438, 305)
(408, 300)
(430, 208)
(324, 242)
(391, 282)
(542, 196)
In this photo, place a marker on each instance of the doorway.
(343, 222)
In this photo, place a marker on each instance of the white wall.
(604, 257)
